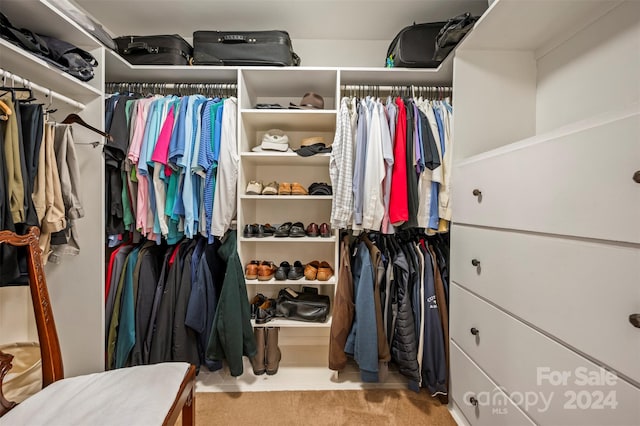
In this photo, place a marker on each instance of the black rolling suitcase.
(155, 50)
(243, 48)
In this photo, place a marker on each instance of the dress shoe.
(325, 230)
(283, 230)
(311, 270)
(263, 231)
(250, 231)
(251, 271)
(297, 230)
(266, 271)
(312, 230)
(297, 189)
(297, 271)
(283, 271)
(325, 272)
(266, 311)
(257, 300)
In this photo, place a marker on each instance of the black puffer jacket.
(404, 347)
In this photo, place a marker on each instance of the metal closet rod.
(47, 92)
(171, 86)
(392, 88)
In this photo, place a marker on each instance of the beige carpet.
(367, 407)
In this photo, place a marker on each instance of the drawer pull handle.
(634, 319)
(473, 401)
(475, 262)
(477, 192)
(636, 176)
(474, 331)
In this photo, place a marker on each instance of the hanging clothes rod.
(164, 87)
(392, 88)
(33, 86)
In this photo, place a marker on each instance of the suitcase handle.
(139, 45)
(233, 38)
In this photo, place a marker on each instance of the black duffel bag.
(451, 34)
(169, 49)
(413, 46)
(243, 48)
(306, 306)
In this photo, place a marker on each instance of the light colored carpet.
(365, 407)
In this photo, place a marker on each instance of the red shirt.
(399, 198)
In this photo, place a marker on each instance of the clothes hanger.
(5, 111)
(76, 119)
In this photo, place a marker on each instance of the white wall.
(575, 70)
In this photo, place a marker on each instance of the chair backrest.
(52, 369)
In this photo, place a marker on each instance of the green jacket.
(232, 335)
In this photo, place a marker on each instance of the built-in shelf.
(532, 24)
(331, 239)
(284, 158)
(441, 76)
(282, 322)
(27, 66)
(302, 281)
(286, 197)
(119, 70)
(290, 119)
(43, 18)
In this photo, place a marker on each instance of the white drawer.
(578, 184)
(549, 382)
(479, 399)
(580, 292)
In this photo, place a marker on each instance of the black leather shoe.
(250, 231)
(297, 230)
(266, 311)
(283, 271)
(297, 271)
(283, 230)
(265, 231)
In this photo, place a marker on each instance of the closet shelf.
(317, 240)
(118, 69)
(284, 159)
(30, 67)
(286, 323)
(274, 282)
(44, 18)
(286, 197)
(290, 119)
(440, 76)
(531, 24)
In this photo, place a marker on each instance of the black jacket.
(404, 347)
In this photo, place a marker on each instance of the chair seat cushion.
(141, 395)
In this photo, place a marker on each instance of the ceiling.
(303, 19)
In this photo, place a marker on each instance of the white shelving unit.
(76, 286)
(525, 188)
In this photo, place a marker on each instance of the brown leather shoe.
(312, 230)
(311, 270)
(297, 189)
(325, 230)
(284, 188)
(266, 271)
(251, 271)
(325, 272)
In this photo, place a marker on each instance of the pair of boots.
(268, 353)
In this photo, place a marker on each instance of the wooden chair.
(144, 395)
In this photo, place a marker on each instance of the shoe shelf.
(286, 197)
(305, 239)
(286, 323)
(331, 281)
(284, 158)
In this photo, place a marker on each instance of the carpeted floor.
(366, 407)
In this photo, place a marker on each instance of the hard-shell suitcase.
(243, 48)
(170, 49)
